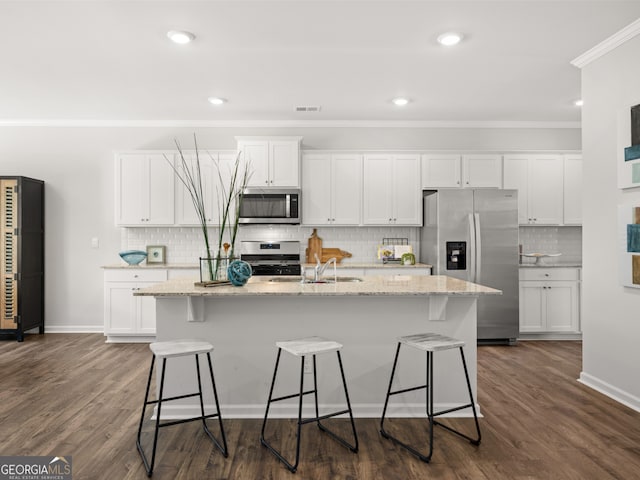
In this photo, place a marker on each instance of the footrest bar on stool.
(323, 417)
(187, 420)
(475, 441)
(454, 409)
(293, 395)
(405, 390)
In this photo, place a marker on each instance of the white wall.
(611, 313)
(77, 165)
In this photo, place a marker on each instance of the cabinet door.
(144, 190)
(440, 171)
(561, 306)
(145, 313)
(255, 154)
(407, 194)
(120, 308)
(346, 186)
(482, 171)
(316, 189)
(515, 176)
(185, 211)
(545, 189)
(131, 190)
(377, 190)
(161, 185)
(284, 163)
(573, 190)
(532, 307)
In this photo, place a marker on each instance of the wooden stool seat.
(430, 342)
(309, 346)
(179, 348)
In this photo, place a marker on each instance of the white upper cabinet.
(216, 169)
(539, 181)
(144, 190)
(274, 162)
(461, 171)
(391, 189)
(573, 190)
(482, 171)
(441, 171)
(331, 189)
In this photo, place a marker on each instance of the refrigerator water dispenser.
(456, 255)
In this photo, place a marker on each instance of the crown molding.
(282, 124)
(614, 41)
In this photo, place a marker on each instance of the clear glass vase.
(213, 269)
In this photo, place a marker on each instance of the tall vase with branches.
(230, 197)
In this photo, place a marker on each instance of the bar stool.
(171, 349)
(301, 348)
(430, 343)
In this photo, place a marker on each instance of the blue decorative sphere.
(239, 272)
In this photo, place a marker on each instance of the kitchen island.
(243, 324)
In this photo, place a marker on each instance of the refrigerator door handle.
(478, 249)
(472, 248)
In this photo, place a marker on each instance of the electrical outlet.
(308, 365)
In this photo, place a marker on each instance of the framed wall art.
(629, 147)
(629, 233)
(156, 254)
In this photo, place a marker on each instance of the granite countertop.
(339, 266)
(165, 266)
(373, 285)
(552, 265)
(370, 265)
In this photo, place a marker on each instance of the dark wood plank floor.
(64, 394)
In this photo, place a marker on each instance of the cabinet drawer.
(135, 275)
(535, 273)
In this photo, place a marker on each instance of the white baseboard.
(610, 391)
(368, 410)
(73, 328)
(550, 336)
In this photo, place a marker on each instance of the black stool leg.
(223, 447)
(473, 404)
(292, 467)
(387, 435)
(149, 466)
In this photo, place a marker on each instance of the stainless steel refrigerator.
(473, 235)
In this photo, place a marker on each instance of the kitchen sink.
(308, 280)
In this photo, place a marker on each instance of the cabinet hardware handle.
(546, 274)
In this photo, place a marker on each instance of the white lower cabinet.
(549, 300)
(128, 318)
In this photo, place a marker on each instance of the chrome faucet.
(319, 268)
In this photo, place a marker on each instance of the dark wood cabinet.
(21, 256)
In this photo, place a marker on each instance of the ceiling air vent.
(307, 108)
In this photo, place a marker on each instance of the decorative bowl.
(133, 257)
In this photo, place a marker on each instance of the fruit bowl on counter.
(540, 256)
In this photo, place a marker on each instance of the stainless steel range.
(270, 257)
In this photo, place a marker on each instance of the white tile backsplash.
(186, 245)
(564, 240)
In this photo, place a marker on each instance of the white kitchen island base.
(244, 328)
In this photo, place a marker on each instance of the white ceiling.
(96, 60)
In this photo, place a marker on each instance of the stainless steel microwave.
(270, 205)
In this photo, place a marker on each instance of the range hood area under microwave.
(270, 205)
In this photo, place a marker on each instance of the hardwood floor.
(72, 394)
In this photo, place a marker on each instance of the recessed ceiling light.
(400, 102)
(180, 37)
(578, 103)
(216, 100)
(449, 39)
